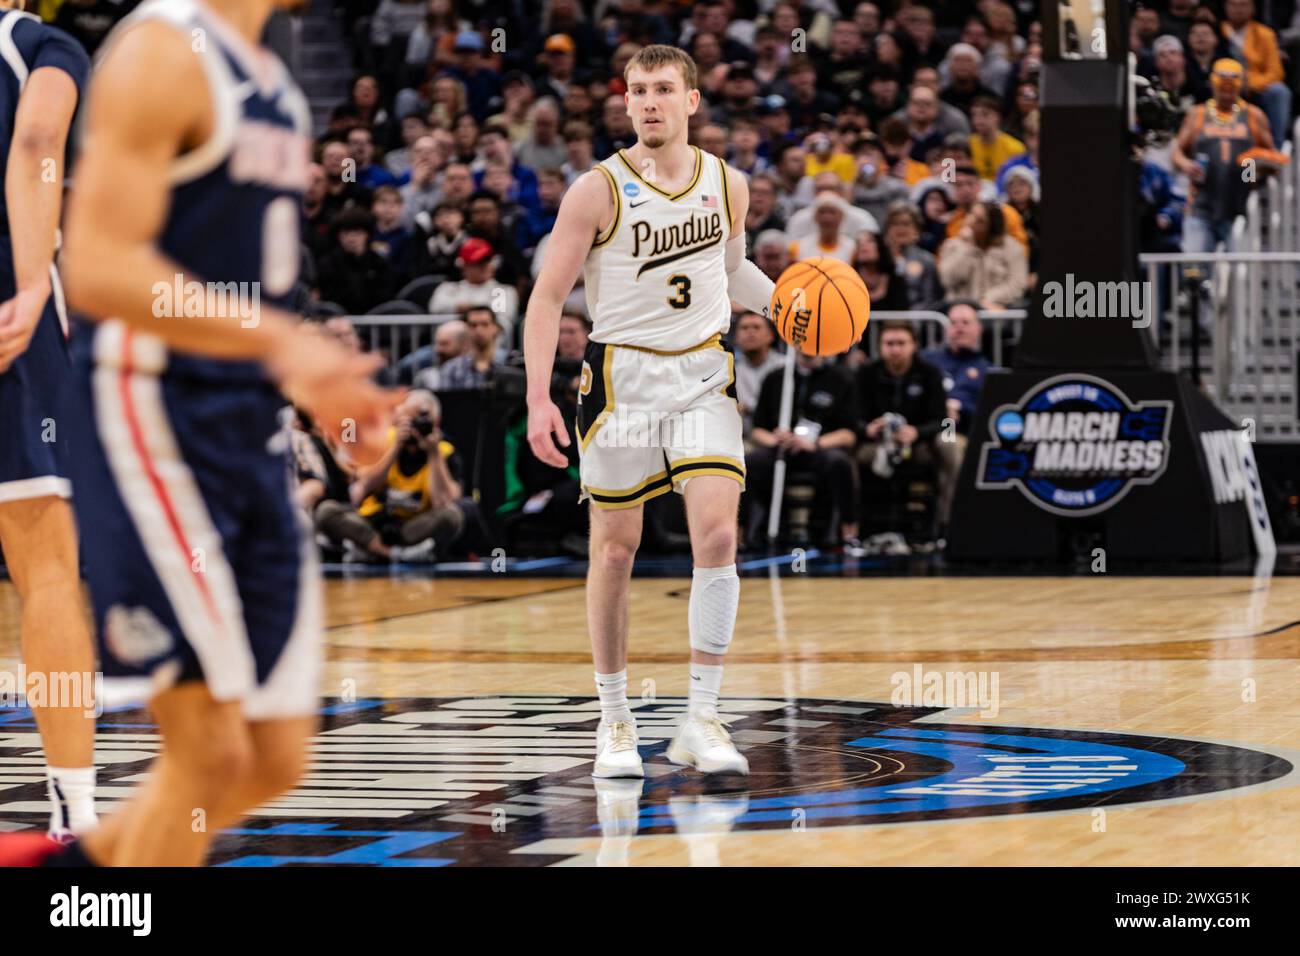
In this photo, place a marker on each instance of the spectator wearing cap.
(353, 275)
(963, 85)
(479, 287)
(482, 84)
(473, 368)
(967, 192)
(962, 364)
(1255, 45)
(990, 147)
(517, 110)
(774, 118)
(361, 148)
(846, 65)
(828, 237)
(543, 148)
(557, 62)
(1022, 194)
(738, 91)
(915, 266)
(569, 17)
(1172, 76)
(579, 153)
(982, 262)
(874, 189)
(803, 99)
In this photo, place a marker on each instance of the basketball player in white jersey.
(658, 230)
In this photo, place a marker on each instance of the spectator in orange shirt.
(1255, 45)
(897, 143)
(966, 194)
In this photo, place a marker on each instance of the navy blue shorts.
(34, 409)
(198, 564)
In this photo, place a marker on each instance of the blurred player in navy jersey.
(205, 591)
(42, 74)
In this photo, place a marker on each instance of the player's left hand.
(18, 319)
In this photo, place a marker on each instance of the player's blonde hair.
(655, 55)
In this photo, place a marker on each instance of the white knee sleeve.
(715, 595)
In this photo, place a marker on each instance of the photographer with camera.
(411, 495)
(903, 407)
(820, 440)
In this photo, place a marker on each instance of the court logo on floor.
(1075, 444)
(507, 780)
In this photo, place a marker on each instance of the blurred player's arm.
(135, 128)
(1183, 142)
(586, 206)
(33, 200)
(746, 283)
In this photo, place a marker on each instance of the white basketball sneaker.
(616, 753)
(703, 743)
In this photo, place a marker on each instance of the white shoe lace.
(622, 737)
(715, 734)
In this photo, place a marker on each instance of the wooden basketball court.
(1195, 671)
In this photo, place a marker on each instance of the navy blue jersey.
(27, 45)
(233, 220)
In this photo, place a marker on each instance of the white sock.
(706, 683)
(72, 799)
(612, 689)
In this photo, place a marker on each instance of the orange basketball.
(821, 306)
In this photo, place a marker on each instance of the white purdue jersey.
(657, 277)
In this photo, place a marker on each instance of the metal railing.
(933, 325)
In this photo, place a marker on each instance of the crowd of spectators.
(899, 136)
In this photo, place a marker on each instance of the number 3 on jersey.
(682, 299)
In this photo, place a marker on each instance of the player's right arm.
(135, 128)
(1183, 143)
(586, 208)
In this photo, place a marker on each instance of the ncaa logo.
(631, 190)
(1010, 426)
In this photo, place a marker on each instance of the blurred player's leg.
(40, 544)
(712, 502)
(615, 535)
